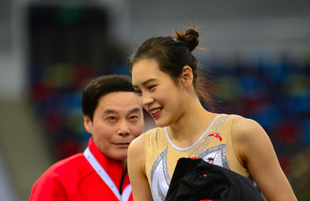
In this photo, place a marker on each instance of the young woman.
(165, 76)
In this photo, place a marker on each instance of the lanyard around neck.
(105, 177)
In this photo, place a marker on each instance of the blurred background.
(258, 53)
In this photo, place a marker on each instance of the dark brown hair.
(172, 54)
(100, 87)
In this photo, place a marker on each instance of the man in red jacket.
(114, 117)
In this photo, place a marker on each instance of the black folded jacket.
(195, 179)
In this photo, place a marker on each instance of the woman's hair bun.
(190, 38)
(192, 32)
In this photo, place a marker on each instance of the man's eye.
(111, 118)
(134, 118)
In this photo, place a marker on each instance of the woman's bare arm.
(136, 169)
(254, 149)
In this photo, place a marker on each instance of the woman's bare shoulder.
(245, 127)
(137, 143)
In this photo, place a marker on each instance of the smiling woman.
(156, 86)
(166, 78)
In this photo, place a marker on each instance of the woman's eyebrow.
(145, 82)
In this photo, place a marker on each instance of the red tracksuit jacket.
(74, 179)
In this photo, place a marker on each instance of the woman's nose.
(146, 100)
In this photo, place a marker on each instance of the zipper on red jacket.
(122, 178)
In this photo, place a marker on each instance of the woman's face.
(158, 93)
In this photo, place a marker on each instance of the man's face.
(117, 120)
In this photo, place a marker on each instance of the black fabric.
(195, 179)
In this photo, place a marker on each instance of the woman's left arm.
(255, 152)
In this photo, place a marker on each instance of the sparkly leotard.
(214, 146)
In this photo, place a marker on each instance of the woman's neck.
(191, 125)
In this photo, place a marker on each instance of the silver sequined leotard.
(214, 146)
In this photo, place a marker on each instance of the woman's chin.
(161, 123)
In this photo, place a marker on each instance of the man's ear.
(187, 76)
(88, 124)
